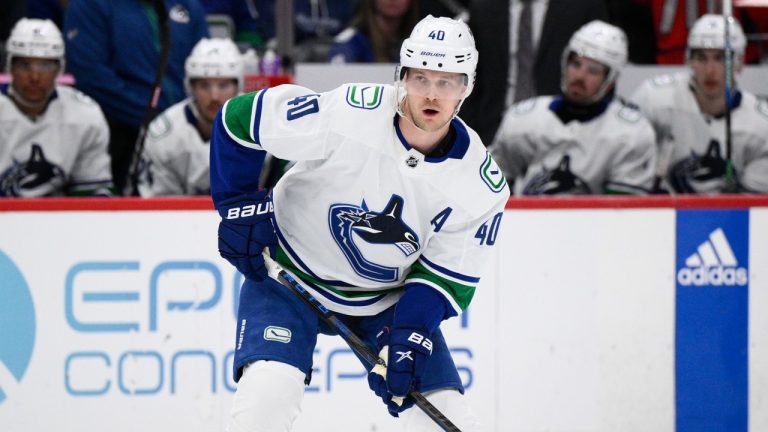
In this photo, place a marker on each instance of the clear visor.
(211, 85)
(30, 64)
(435, 85)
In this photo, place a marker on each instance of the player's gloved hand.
(245, 230)
(406, 352)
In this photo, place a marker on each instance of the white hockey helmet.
(214, 58)
(32, 37)
(708, 32)
(438, 44)
(601, 42)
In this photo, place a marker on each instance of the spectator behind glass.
(47, 9)
(585, 141)
(113, 50)
(312, 18)
(175, 159)
(53, 139)
(495, 24)
(243, 14)
(376, 32)
(688, 112)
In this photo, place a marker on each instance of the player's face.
(583, 78)
(432, 97)
(211, 93)
(708, 67)
(34, 78)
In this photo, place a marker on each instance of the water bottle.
(251, 62)
(271, 64)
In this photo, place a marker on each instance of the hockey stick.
(730, 181)
(132, 182)
(277, 273)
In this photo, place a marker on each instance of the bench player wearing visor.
(585, 141)
(688, 112)
(53, 139)
(387, 217)
(176, 152)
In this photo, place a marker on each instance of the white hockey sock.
(268, 398)
(451, 403)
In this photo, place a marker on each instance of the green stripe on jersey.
(460, 293)
(283, 259)
(238, 116)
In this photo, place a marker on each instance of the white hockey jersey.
(692, 144)
(361, 213)
(611, 153)
(62, 152)
(175, 157)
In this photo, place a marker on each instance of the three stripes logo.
(713, 264)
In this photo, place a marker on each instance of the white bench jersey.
(685, 135)
(611, 153)
(175, 157)
(61, 152)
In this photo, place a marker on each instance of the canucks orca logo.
(348, 222)
(560, 180)
(17, 327)
(700, 173)
(33, 178)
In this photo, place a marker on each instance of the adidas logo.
(713, 264)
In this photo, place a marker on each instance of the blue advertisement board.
(711, 321)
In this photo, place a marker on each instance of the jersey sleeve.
(91, 173)
(634, 164)
(290, 122)
(456, 255)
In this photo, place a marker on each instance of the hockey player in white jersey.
(53, 139)
(584, 141)
(687, 110)
(388, 218)
(176, 152)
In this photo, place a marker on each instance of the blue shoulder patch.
(365, 96)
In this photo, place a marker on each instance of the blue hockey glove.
(245, 230)
(406, 352)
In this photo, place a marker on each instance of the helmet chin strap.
(21, 100)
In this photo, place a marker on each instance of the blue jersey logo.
(348, 222)
(17, 326)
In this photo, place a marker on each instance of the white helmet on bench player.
(601, 42)
(438, 44)
(35, 38)
(214, 58)
(708, 32)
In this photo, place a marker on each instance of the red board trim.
(515, 203)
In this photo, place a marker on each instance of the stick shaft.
(131, 184)
(730, 181)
